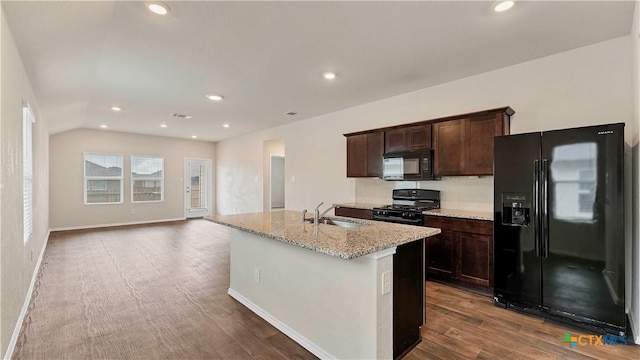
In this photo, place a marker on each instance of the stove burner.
(408, 205)
(416, 208)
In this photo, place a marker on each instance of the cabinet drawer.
(354, 213)
(483, 227)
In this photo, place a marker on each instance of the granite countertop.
(462, 214)
(346, 243)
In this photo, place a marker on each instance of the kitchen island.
(340, 292)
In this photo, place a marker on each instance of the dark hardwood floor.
(160, 292)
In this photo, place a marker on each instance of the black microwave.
(413, 165)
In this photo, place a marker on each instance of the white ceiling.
(267, 58)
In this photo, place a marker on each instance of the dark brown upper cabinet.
(408, 138)
(448, 147)
(465, 146)
(462, 144)
(364, 154)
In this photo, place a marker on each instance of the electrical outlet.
(293, 179)
(256, 275)
(386, 282)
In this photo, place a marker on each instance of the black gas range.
(408, 205)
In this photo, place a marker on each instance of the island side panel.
(331, 306)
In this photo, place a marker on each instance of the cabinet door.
(448, 144)
(396, 140)
(419, 137)
(374, 153)
(356, 155)
(475, 258)
(439, 254)
(354, 213)
(408, 296)
(480, 132)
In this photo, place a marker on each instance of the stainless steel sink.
(346, 224)
(340, 223)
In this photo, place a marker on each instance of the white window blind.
(27, 170)
(147, 178)
(103, 178)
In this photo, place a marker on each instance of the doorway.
(273, 155)
(277, 182)
(197, 187)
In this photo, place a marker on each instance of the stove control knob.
(404, 214)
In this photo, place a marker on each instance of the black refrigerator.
(559, 225)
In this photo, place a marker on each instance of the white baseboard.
(83, 227)
(284, 328)
(27, 300)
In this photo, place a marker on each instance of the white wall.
(585, 86)
(18, 260)
(67, 199)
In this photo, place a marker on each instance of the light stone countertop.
(462, 214)
(346, 243)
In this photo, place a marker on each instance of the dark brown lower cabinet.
(408, 297)
(439, 255)
(462, 254)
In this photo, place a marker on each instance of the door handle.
(545, 206)
(536, 204)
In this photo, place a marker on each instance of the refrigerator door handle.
(536, 204)
(545, 207)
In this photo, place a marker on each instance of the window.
(147, 178)
(27, 170)
(103, 179)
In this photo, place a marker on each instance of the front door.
(197, 185)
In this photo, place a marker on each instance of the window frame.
(103, 178)
(28, 119)
(147, 178)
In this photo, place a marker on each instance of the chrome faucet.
(316, 214)
(304, 212)
(326, 211)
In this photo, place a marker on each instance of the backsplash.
(459, 193)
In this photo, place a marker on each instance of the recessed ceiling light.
(163, 125)
(215, 97)
(116, 108)
(194, 136)
(503, 6)
(104, 126)
(188, 117)
(329, 75)
(225, 125)
(158, 8)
